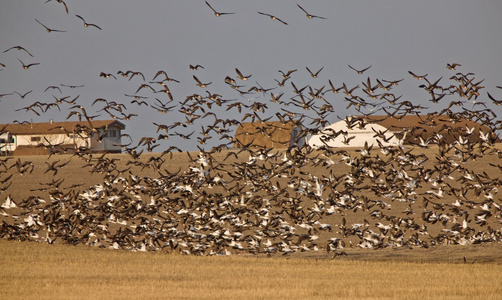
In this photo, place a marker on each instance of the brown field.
(417, 257)
(41, 271)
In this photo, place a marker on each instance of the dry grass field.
(40, 271)
(343, 254)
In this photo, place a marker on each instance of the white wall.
(355, 137)
(107, 143)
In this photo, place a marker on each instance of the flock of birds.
(243, 198)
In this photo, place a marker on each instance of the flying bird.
(136, 96)
(196, 67)
(72, 86)
(495, 101)
(88, 24)
(18, 48)
(49, 29)
(199, 83)
(452, 66)
(161, 72)
(1, 95)
(23, 95)
(60, 1)
(106, 75)
(309, 15)
(287, 74)
(359, 71)
(314, 75)
(218, 13)
(54, 88)
(417, 76)
(26, 67)
(273, 18)
(240, 76)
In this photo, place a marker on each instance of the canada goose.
(314, 75)
(218, 13)
(452, 66)
(60, 1)
(54, 88)
(26, 67)
(23, 95)
(107, 75)
(7, 94)
(309, 15)
(273, 18)
(72, 86)
(359, 71)
(88, 24)
(195, 67)
(420, 77)
(49, 29)
(287, 75)
(240, 76)
(199, 83)
(18, 48)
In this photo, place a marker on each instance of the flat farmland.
(41, 271)
(278, 224)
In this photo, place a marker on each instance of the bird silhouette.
(23, 95)
(18, 48)
(49, 29)
(62, 2)
(273, 17)
(218, 13)
(359, 71)
(88, 24)
(314, 75)
(26, 67)
(240, 76)
(309, 15)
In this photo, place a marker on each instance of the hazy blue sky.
(393, 36)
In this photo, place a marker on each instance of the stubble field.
(40, 271)
(431, 268)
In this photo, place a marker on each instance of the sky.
(391, 36)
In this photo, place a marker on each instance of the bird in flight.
(49, 29)
(417, 76)
(359, 71)
(60, 1)
(240, 76)
(106, 75)
(18, 48)
(195, 67)
(452, 66)
(23, 95)
(314, 75)
(72, 86)
(26, 67)
(88, 24)
(309, 15)
(217, 13)
(273, 18)
(199, 83)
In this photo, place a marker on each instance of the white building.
(400, 130)
(354, 132)
(98, 136)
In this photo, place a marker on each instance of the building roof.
(427, 126)
(428, 122)
(56, 127)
